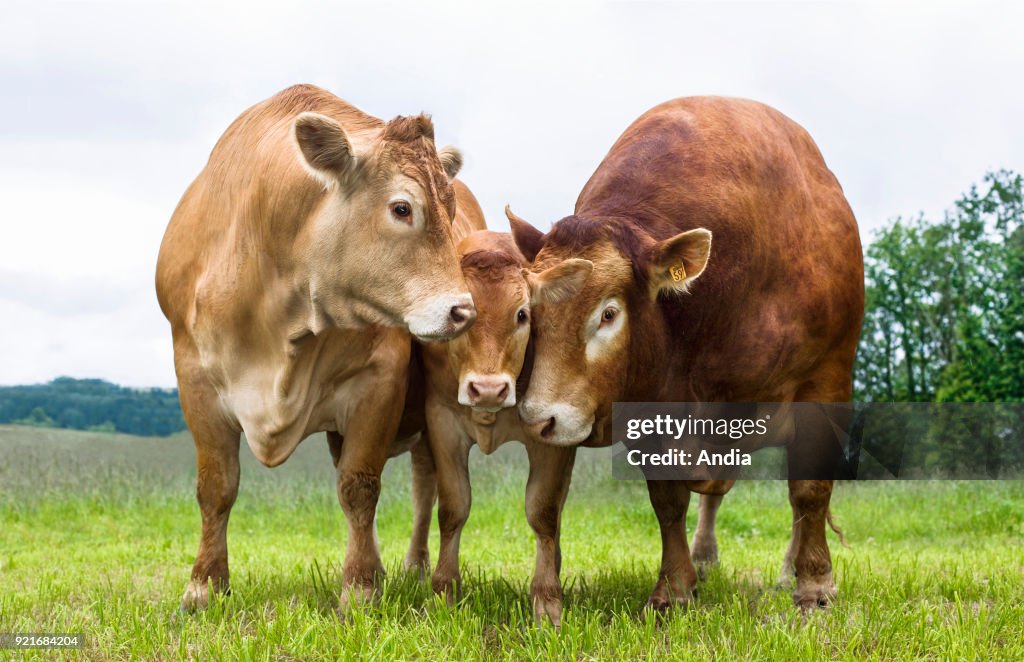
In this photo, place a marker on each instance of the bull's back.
(784, 284)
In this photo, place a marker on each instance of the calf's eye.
(608, 316)
(521, 316)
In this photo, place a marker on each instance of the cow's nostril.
(503, 392)
(548, 429)
(474, 392)
(463, 313)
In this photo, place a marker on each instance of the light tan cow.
(293, 271)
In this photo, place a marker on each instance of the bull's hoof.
(705, 557)
(547, 607)
(355, 595)
(418, 565)
(809, 597)
(197, 594)
(661, 603)
(449, 587)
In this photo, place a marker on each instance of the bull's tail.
(836, 529)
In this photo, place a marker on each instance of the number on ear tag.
(678, 272)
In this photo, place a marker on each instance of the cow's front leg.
(450, 450)
(677, 578)
(546, 490)
(216, 442)
(369, 433)
(424, 493)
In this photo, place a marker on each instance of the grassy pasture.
(99, 533)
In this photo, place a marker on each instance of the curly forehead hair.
(409, 128)
(409, 140)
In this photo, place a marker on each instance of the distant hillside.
(92, 404)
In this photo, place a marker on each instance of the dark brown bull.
(772, 316)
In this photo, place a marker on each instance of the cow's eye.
(401, 210)
(522, 317)
(608, 316)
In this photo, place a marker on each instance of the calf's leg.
(450, 451)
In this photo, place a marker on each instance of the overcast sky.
(110, 110)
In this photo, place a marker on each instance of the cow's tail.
(836, 529)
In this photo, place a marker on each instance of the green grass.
(99, 533)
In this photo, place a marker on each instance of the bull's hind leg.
(424, 493)
(705, 544)
(812, 458)
(216, 442)
(677, 578)
(546, 490)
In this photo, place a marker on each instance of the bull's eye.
(608, 316)
(522, 317)
(401, 211)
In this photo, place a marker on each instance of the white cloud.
(111, 109)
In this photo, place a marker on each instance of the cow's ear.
(559, 282)
(676, 262)
(324, 147)
(528, 238)
(451, 160)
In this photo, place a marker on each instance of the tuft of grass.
(99, 533)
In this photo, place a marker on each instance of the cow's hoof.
(355, 595)
(809, 596)
(547, 609)
(449, 587)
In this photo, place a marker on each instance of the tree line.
(92, 404)
(944, 324)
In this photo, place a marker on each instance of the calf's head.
(489, 357)
(380, 247)
(593, 342)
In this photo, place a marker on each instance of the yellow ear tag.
(678, 272)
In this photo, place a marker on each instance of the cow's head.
(380, 247)
(490, 356)
(586, 339)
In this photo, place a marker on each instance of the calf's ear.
(677, 261)
(528, 238)
(559, 282)
(324, 147)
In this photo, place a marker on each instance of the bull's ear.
(676, 262)
(559, 282)
(528, 238)
(451, 160)
(324, 146)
